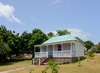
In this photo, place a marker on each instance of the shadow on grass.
(11, 62)
(7, 63)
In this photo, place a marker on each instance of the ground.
(13, 65)
(88, 66)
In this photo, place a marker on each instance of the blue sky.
(81, 17)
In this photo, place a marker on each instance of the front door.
(50, 51)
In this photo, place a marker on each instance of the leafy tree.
(25, 38)
(50, 34)
(37, 37)
(4, 50)
(14, 43)
(3, 33)
(88, 44)
(9, 38)
(62, 32)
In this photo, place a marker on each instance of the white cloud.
(61, 2)
(6, 11)
(79, 33)
(57, 1)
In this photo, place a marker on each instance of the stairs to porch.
(40, 61)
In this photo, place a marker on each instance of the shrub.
(52, 64)
(90, 54)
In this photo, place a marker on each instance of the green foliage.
(13, 44)
(79, 63)
(31, 70)
(98, 51)
(45, 71)
(90, 55)
(98, 47)
(50, 34)
(88, 44)
(4, 49)
(37, 37)
(25, 38)
(62, 32)
(53, 66)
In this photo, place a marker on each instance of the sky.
(80, 17)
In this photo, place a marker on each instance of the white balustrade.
(62, 54)
(66, 53)
(41, 54)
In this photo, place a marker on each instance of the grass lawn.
(13, 65)
(91, 66)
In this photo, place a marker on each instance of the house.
(63, 49)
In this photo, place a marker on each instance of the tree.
(50, 34)
(37, 37)
(4, 50)
(25, 38)
(62, 32)
(11, 39)
(88, 44)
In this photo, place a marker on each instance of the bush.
(52, 64)
(90, 54)
(98, 51)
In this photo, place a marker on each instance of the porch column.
(61, 50)
(41, 50)
(47, 50)
(53, 50)
(76, 48)
(34, 52)
(61, 46)
(71, 49)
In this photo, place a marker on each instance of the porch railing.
(62, 53)
(41, 54)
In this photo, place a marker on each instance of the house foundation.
(63, 60)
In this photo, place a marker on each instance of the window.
(59, 47)
(66, 46)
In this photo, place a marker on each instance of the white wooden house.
(64, 48)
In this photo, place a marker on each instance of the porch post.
(76, 48)
(39, 61)
(47, 50)
(61, 46)
(41, 51)
(71, 49)
(61, 50)
(34, 52)
(53, 50)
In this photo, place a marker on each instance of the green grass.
(88, 66)
(13, 65)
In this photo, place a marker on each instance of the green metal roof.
(60, 39)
